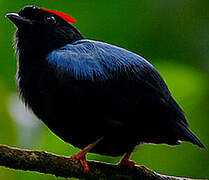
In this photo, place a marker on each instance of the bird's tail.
(185, 134)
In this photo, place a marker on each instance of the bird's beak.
(17, 19)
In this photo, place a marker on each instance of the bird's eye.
(50, 20)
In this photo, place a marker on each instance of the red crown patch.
(64, 16)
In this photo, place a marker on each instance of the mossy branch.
(60, 166)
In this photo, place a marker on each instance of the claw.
(83, 161)
(126, 162)
(82, 155)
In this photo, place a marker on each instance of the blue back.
(87, 59)
(98, 61)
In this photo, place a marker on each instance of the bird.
(96, 96)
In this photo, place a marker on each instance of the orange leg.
(125, 160)
(82, 155)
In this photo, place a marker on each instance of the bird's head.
(40, 27)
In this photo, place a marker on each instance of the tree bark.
(60, 166)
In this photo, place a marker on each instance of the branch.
(43, 162)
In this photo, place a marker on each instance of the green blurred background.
(173, 35)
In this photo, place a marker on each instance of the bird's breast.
(61, 106)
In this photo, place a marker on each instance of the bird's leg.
(125, 160)
(82, 154)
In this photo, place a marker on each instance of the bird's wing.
(98, 62)
(77, 60)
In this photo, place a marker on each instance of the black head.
(43, 30)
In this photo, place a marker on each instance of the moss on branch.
(60, 166)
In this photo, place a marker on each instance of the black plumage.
(84, 90)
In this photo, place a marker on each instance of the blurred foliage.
(172, 34)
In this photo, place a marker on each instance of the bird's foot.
(82, 155)
(126, 162)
